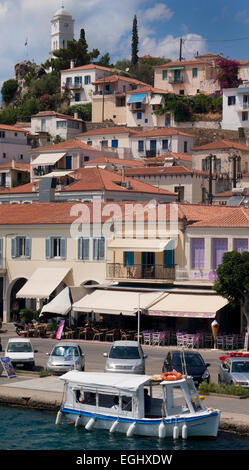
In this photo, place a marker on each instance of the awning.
(176, 67)
(188, 305)
(47, 158)
(156, 99)
(60, 305)
(115, 301)
(42, 283)
(137, 98)
(141, 244)
(242, 90)
(57, 174)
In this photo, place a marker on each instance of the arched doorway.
(16, 304)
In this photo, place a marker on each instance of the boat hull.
(205, 424)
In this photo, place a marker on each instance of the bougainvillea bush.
(227, 72)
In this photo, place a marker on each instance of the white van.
(21, 352)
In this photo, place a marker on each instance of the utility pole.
(103, 101)
(180, 54)
(210, 159)
(235, 159)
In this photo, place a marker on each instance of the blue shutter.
(63, 248)
(169, 255)
(13, 247)
(85, 248)
(129, 258)
(48, 247)
(101, 248)
(1, 252)
(28, 248)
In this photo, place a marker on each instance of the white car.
(21, 352)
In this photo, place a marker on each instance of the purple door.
(240, 244)
(220, 246)
(197, 246)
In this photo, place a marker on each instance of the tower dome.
(62, 12)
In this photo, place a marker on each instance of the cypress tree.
(134, 44)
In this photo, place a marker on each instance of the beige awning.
(42, 283)
(60, 305)
(188, 305)
(57, 174)
(139, 244)
(47, 158)
(115, 301)
(156, 99)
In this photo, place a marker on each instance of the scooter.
(19, 328)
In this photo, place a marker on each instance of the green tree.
(27, 108)
(76, 51)
(134, 43)
(84, 111)
(233, 280)
(8, 115)
(8, 90)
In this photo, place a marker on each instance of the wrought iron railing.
(138, 271)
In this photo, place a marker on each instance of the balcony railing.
(195, 275)
(138, 271)
(175, 79)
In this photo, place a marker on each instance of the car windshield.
(124, 352)
(19, 347)
(240, 366)
(65, 351)
(192, 360)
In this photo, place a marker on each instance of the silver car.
(64, 357)
(234, 371)
(125, 357)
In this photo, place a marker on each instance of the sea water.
(26, 429)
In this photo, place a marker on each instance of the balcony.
(138, 271)
(174, 80)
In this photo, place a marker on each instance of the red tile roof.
(109, 130)
(89, 67)
(5, 127)
(162, 131)
(115, 161)
(147, 88)
(238, 217)
(223, 145)
(180, 63)
(116, 78)
(57, 115)
(67, 145)
(164, 171)
(21, 166)
(159, 159)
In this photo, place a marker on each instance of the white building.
(13, 144)
(55, 124)
(62, 29)
(141, 106)
(235, 108)
(79, 80)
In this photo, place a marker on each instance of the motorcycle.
(19, 328)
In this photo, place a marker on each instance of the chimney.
(71, 64)
(13, 164)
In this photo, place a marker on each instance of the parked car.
(195, 365)
(64, 357)
(21, 352)
(234, 371)
(125, 357)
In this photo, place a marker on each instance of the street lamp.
(236, 175)
(210, 158)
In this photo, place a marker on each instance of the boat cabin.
(134, 396)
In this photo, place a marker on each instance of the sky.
(216, 26)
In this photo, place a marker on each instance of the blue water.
(25, 429)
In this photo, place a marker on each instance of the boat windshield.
(19, 347)
(124, 352)
(240, 366)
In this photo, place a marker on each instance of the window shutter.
(129, 258)
(28, 247)
(48, 247)
(85, 248)
(95, 248)
(79, 248)
(63, 248)
(101, 248)
(13, 247)
(1, 252)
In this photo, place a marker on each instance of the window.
(115, 143)
(205, 164)
(217, 165)
(61, 124)
(4, 155)
(69, 162)
(83, 248)
(99, 248)
(86, 159)
(244, 115)
(140, 145)
(231, 100)
(194, 72)
(220, 246)
(20, 247)
(68, 81)
(56, 247)
(104, 143)
(128, 258)
(21, 156)
(197, 253)
(185, 146)
(181, 92)
(77, 80)
(2, 134)
(77, 97)
(89, 142)
(87, 79)
(124, 88)
(139, 115)
(165, 74)
(165, 144)
(169, 255)
(240, 244)
(138, 105)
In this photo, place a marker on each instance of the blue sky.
(108, 25)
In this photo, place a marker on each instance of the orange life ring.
(171, 375)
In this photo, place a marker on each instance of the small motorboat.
(165, 405)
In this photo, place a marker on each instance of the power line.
(217, 40)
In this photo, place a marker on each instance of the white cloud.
(159, 12)
(169, 46)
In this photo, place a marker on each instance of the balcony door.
(148, 264)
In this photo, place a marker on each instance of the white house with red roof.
(53, 124)
(14, 144)
(157, 141)
(78, 81)
(142, 104)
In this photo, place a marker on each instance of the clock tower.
(62, 29)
